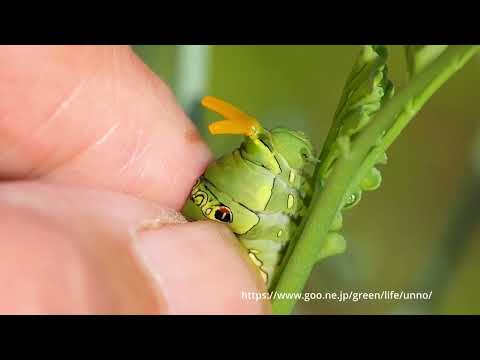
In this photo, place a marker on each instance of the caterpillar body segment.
(260, 190)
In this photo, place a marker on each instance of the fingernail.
(166, 217)
(147, 240)
(198, 268)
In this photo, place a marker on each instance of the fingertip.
(96, 116)
(202, 269)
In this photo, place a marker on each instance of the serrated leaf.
(366, 89)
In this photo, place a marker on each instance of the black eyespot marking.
(224, 214)
(304, 154)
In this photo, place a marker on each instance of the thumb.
(199, 270)
(74, 250)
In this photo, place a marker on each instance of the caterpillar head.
(294, 146)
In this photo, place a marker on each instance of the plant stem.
(191, 75)
(419, 56)
(349, 170)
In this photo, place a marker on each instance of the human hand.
(94, 154)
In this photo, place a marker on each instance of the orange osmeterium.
(236, 121)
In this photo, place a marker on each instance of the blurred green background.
(397, 231)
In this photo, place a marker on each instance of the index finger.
(95, 116)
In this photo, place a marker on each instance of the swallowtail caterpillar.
(260, 190)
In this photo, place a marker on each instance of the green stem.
(191, 75)
(348, 170)
(444, 71)
(420, 56)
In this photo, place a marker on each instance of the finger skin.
(96, 116)
(70, 250)
(192, 265)
(59, 254)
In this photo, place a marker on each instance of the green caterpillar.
(263, 189)
(260, 190)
